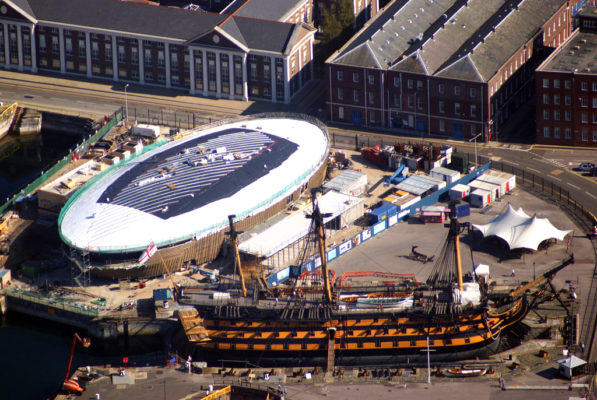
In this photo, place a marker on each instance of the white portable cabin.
(495, 180)
(459, 191)
(490, 187)
(445, 174)
(480, 198)
(510, 178)
(146, 130)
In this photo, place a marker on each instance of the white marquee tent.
(519, 230)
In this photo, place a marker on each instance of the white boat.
(463, 372)
(7, 117)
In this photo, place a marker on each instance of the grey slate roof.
(458, 39)
(579, 55)
(277, 10)
(163, 22)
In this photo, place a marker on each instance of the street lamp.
(475, 139)
(126, 105)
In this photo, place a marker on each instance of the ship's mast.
(318, 221)
(233, 237)
(455, 229)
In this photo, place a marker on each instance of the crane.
(71, 385)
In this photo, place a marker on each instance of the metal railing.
(49, 173)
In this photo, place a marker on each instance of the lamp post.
(126, 105)
(475, 139)
(428, 362)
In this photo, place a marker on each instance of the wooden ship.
(334, 324)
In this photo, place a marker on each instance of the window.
(441, 107)
(594, 86)
(147, 58)
(584, 102)
(473, 110)
(567, 116)
(339, 75)
(584, 136)
(42, 43)
(371, 98)
(545, 99)
(566, 84)
(441, 88)
(594, 136)
(420, 103)
(69, 46)
(371, 79)
(174, 61)
(584, 86)
(253, 72)
(410, 83)
(546, 85)
(134, 56)
(82, 52)
(545, 115)
(594, 118)
(355, 96)
(568, 133)
(442, 125)
(556, 115)
(340, 112)
(355, 77)
(419, 85)
(396, 100)
(546, 132)
(95, 51)
(108, 51)
(396, 81)
(556, 99)
(472, 92)
(584, 118)
(372, 117)
(594, 102)
(457, 108)
(161, 60)
(556, 83)
(55, 46)
(457, 90)
(411, 102)
(340, 93)
(556, 132)
(567, 100)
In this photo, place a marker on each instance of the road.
(95, 99)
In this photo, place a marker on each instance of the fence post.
(356, 142)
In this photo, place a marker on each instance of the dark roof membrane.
(174, 181)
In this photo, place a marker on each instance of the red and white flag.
(148, 253)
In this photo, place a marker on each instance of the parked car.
(586, 166)
(593, 171)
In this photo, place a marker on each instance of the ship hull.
(394, 357)
(356, 338)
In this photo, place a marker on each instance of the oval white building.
(179, 195)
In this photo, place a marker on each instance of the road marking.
(556, 172)
(591, 195)
(534, 170)
(557, 179)
(574, 186)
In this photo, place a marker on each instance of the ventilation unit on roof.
(587, 70)
(583, 40)
(576, 47)
(570, 53)
(410, 21)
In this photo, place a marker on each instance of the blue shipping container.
(382, 212)
(463, 210)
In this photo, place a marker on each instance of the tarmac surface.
(536, 378)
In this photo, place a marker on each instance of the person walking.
(513, 273)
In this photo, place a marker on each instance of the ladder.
(331, 354)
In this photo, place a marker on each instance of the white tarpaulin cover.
(521, 231)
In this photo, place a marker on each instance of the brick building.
(567, 89)
(453, 68)
(204, 54)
